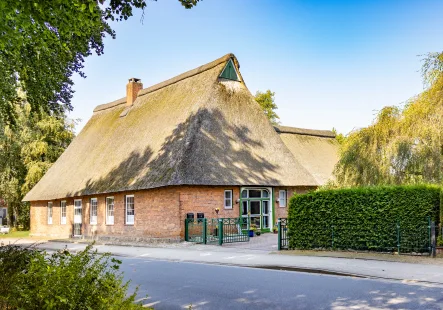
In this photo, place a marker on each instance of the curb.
(319, 271)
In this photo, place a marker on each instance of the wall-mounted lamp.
(237, 201)
(277, 200)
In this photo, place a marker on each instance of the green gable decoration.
(229, 72)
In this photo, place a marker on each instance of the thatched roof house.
(201, 128)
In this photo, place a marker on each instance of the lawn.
(16, 234)
(369, 256)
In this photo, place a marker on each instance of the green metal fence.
(195, 230)
(215, 231)
(397, 237)
(283, 234)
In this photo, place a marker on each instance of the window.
(255, 193)
(77, 211)
(110, 210)
(265, 213)
(63, 212)
(130, 210)
(229, 72)
(49, 212)
(228, 199)
(93, 211)
(244, 193)
(282, 198)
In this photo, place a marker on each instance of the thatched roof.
(194, 129)
(304, 131)
(316, 150)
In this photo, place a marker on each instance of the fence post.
(205, 230)
(432, 240)
(279, 234)
(398, 238)
(186, 230)
(220, 231)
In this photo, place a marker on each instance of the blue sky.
(330, 63)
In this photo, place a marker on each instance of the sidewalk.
(211, 254)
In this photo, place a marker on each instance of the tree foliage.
(43, 43)
(403, 145)
(267, 103)
(32, 279)
(27, 150)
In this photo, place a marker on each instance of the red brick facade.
(159, 213)
(283, 211)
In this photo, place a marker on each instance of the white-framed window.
(93, 211)
(50, 212)
(63, 212)
(282, 198)
(109, 210)
(228, 199)
(130, 210)
(78, 211)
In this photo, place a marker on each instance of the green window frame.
(230, 72)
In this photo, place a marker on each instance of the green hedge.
(367, 218)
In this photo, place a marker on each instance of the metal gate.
(283, 243)
(215, 231)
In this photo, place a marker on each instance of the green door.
(256, 208)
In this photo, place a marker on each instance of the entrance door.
(256, 208)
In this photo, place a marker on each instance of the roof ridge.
(305, 131)
(171, 81)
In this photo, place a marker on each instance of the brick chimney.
(132, 88)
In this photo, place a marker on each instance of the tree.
(268, 105)
(43, 43)
(27, 150)
(403, 145)
(339, 136)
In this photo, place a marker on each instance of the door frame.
(271, 205)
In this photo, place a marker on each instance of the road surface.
(176, 285)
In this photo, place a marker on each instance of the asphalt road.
(176, 285)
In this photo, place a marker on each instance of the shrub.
(34, 279)
(364, 218)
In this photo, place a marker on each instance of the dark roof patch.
(304, 131)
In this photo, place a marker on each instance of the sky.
(331, 64)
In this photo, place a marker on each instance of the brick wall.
(39, 219)
(283, 211)
(205, 199)
(159, 213)
(156, 216)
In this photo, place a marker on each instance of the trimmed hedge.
(366, 218)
